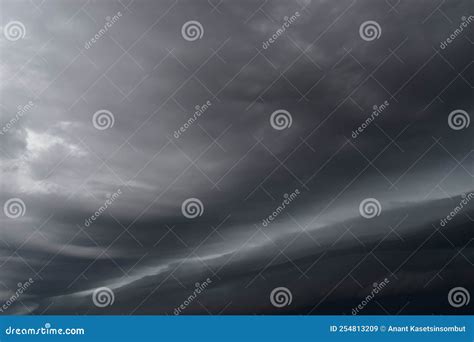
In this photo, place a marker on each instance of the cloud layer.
(92, 98)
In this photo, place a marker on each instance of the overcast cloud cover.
(150, 78)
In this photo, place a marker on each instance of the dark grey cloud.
(231, 158)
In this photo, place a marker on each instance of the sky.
(152, 147)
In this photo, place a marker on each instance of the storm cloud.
(278, 119)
